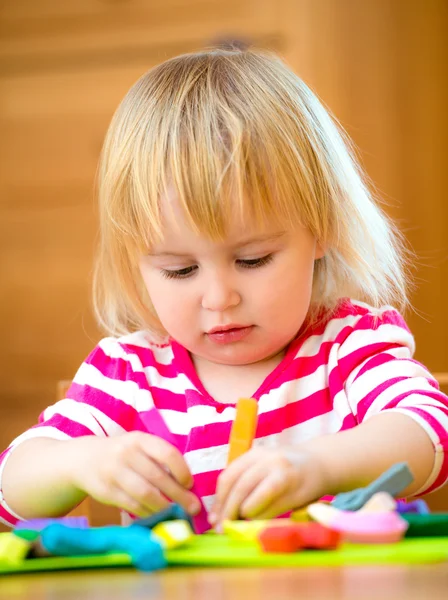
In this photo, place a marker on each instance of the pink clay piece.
(361, 527)
(371, 528)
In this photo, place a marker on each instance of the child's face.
(258, 283)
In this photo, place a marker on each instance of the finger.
(166, 454)
(228, 479)
(249, 481)
(280, 506)
(164, 482)
(142, 491)
(122, 500)
(272, 487)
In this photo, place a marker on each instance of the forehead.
(179, 222)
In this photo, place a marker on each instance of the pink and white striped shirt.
(341, 372)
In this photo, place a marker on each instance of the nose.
(219, 294)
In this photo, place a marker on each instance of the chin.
(234, 357)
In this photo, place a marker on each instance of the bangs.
(228, 144)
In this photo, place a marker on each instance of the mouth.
(224, 328)
(228, 334)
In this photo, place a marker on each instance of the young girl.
(241, 255)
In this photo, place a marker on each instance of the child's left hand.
(266, 482)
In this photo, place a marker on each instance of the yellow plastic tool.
(243, 428)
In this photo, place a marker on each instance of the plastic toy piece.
(13, 549)
(393, 481)
(174, 512)
(145, 550)
(360, 527)
(432, 525)
(243, 428)
(250, 530)
(39, 524)
(173, 534)
(279, 539)
(417, 507)
(380, 502)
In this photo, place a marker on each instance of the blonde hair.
(236, 130)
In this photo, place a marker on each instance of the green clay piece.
(31, 535)
(432, 525)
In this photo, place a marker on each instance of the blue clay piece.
(173, 512)
(393, 481)
(146, 552)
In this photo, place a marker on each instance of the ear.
(319, 251)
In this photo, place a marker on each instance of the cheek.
(170, 301)
(290, 281)
(158, 293)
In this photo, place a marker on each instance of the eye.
(179, 273)
(254, 263)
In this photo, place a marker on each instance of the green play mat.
(212, 550)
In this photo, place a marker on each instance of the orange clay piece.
(317, 536)
(280, 539)
(298, 536)
(243, 428)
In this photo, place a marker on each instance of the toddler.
(241, 255)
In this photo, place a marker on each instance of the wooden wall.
(380, 65)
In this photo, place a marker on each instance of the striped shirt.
(346, 369)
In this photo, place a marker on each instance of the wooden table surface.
(334, 583)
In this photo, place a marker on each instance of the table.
(397, 582)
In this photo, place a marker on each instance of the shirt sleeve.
(105, 397)
(379, 373)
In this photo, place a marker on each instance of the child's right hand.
(136, 471)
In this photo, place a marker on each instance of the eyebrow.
(241, 244)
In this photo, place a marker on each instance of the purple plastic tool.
(40, 524)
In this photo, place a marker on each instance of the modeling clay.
(393, 481)
(361, 527)
(418, 507)
(249, 530)
(300, 515)
(243, 428)
(432, 525)
(27, 534)
(13, 549)
(144, 549)
(173, 534)
(279, 539)
(174, 512)
(314, 536)
(297, 536)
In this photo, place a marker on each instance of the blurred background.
(379, 65)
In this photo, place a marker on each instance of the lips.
(228, 334)
(228, 327)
